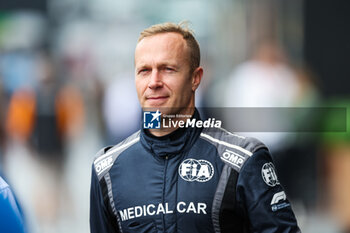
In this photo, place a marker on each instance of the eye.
(143, 71)
(169, 69)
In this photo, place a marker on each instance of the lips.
(156, 97)
(156, 100)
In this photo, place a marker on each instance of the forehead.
(162, 45)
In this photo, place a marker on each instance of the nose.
(155, 80)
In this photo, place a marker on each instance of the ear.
(196, 78)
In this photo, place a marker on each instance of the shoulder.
(104, 159)
(234, 150)
(8, 198)
(3, 186)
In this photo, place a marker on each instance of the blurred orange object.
(338, 166)
(21, 114)
(70, 111)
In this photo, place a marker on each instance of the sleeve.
(11, 219)
(262, 197)
(101, 219)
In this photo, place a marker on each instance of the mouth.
(156, 100)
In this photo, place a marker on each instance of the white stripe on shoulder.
(226, 144)
(233, 134)
(117, 149)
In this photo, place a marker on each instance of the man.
(177, 179)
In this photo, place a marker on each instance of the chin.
(153, 107)
(163, 107)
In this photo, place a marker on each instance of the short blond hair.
(187, 34)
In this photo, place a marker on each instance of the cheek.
(183, 88)
(182, 92)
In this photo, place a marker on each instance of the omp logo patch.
(268, 174)
(233, 158)
(103, 164)
(196, 170)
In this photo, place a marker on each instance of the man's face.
(162, 73)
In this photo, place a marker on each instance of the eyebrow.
(163, 64)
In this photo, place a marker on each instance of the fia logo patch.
(196, 170)
(268, 174)
(151, 120)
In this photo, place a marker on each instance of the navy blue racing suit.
(193, 180)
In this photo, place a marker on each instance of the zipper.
(163, 196)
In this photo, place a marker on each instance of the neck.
(174, 117)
